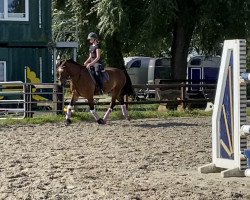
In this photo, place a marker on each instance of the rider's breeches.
(98, 74)
(97, 68)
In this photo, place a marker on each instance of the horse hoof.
(128, 118)
(100, 121)
(68, 122)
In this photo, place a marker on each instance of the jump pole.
(229, 143)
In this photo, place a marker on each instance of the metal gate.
(19, 100)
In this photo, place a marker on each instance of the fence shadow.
(165, 125)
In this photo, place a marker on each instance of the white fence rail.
(12, 100)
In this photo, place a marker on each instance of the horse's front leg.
(112, 105)
(70, 107)
(93, 111)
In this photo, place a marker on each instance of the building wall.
(39, 60)
(32, 31)
(26, 43)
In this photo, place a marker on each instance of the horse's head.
(62, 72)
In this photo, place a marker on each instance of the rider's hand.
(88, 65)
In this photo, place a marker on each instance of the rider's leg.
(98, 77)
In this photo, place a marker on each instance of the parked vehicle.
(145, 70)
(159, 68)
(201, 69)
(137, 68)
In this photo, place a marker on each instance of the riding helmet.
(92, 35)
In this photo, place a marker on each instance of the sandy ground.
(141, 159)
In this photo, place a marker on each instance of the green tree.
(203, 24)
(71, 17)
(152, 28)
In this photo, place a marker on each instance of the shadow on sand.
(164, 125)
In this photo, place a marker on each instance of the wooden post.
(126, 101)
(157, 90)
(183, 95)
(58, 99)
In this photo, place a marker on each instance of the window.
(196, 62)
(2, 71)
(136, 64)
(14, 10)
(162, 62)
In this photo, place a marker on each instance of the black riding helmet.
(92, 35)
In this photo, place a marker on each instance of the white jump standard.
(229, 143)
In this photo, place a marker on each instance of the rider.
(94, 59)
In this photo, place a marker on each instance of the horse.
(82, 84)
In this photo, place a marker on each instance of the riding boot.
(99, 81)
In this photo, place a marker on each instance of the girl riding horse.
(94, 62)
(119, 85)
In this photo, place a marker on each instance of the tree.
(110, 13)
(205, 23)
(155, 27)
(76, 15)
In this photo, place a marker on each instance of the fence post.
(157, 90)
(58, 99)
(183, 95)
(27, 100)
(126, 101)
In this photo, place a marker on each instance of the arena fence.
(20, 100)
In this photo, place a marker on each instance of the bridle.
(68, 77)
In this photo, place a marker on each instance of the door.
(196, 76)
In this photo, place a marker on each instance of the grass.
(248, 111)
(135, 112)
(36, 120)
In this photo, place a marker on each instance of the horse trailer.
(159, 68)
(202, 70)
(137, 68)
(145, 70)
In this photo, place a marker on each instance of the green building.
(25, 40)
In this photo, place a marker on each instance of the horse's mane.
(74, 62)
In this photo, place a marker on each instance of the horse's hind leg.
(120, 98)
(123, 107)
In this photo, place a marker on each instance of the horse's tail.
(127, 88)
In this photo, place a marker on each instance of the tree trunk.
(113, 52)
(182, 35)
(188, 12)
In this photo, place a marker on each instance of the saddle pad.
(105, 76)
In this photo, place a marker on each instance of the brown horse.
(82, 84)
